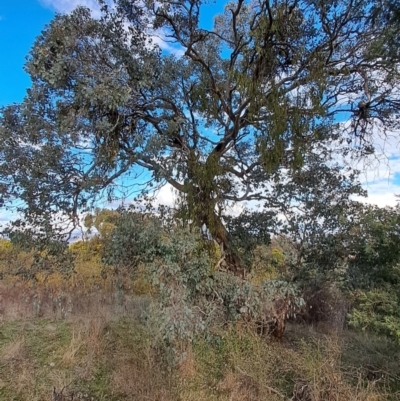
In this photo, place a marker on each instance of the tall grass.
(98, 346)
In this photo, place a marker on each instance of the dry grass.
(75, 346)
(24, 301)
(306, 366)
(103, 350)
(13, 351)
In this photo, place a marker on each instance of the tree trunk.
(221, 235)
(202, 201)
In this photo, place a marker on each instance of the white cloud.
(378, 172)
(381, 196)
(160, 40)
(5, 217)
(66, 6)
(166, 196)
(235, 209)
(381, 191)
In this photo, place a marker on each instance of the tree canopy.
(272, 86)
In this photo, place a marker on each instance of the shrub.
(325, 303)
(194, 298)
(134, 236)
(268, 263)
(377, 310)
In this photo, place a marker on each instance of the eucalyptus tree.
(217, 120)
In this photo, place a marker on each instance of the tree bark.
(220, 234)
(202, 198)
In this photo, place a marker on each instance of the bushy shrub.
(374, 271)
(135, 235)
(377, 310)
(268, 263)
(194, 298)
(182, 271)
(16, 263)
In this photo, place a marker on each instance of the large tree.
(218, 121)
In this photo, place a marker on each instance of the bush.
(325, 303)
(268, 263)
(194, 298)
(134, 236)
(377, 310)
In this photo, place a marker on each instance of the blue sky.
(21, 21)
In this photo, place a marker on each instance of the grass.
(102, 350)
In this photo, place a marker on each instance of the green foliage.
(377, 310)
(318, 212)
(14, 261)
(375, 246)
(87, 250)
(374, 273)
(249, 230)
(268, 263)
(103, 220)
(194, 298)
(47, 253)
(134, 238)
(343, 252)
(182, 271)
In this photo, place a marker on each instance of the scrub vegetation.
(268, 279)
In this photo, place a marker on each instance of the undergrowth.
(106, 350)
